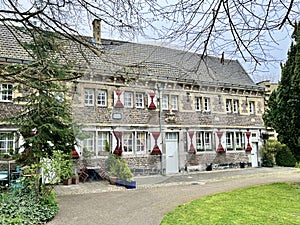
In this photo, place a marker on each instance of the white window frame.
(140, 142)
(88, 142)
(199, 141)
(89, 97)
(7, 142)
(238, 140)
(139, 100)
(6, 92)
(252, 107)
(102, 98)
(102, 137)
(165, 102)
(128, 100)
(174, 102)
(128, 142)
(228, 105)
(235, 106)
(206, 105)
(229, 141)
(208, 141)
(198, 104)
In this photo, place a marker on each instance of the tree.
(45, 120)
(208, 27)
(284, 104)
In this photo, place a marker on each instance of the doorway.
(171, 152)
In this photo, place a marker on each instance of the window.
(6, 142)
(207, 141)
(127, 142)
(203, 141)
(128, 101)
(102, 139)
(140, 141)
(228, 105)
(206, 105)
(139, 100)
(165, 102)
(251, 107)
(198, 103)
(174, 102)
(6, 92)
(88, 143)
(199, 142)
(229, 141)
(236, 106)
(89, 97)
(239, 141)
(101, 99)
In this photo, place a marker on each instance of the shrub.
(285, 157)
(269, 150)
(24, 207)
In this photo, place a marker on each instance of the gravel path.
(148, 205)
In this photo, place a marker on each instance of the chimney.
(97, 31)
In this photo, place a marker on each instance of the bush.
(269, 150)
(285, 157)
(21, 207)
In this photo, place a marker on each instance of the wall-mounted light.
(75, 82)
(188, 95)
(219, 96)
(246, 100)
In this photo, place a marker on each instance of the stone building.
(164, 110)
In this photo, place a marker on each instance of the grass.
(272, 204)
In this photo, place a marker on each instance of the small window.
(139, 100)
(174, 102)
(140, 142)
(6, 142)
(102, 142)
(236, 106)
(89, 97)
(128, 142)
(198, 103)
(251, 107)
(6, 92)
(228, 105)
(101, 99)
(229, 141)
(206, 104)
(128, 101)
(165, 102)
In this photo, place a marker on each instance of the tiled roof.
(119, 57)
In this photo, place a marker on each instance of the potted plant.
(125, 175)
(112, 167)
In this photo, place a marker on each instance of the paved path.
(156, 195)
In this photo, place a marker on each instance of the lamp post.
(160, 90)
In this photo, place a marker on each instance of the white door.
(254, 156)
(171, 153)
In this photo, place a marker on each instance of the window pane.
(6, 142)
(88, 142)
(236, 106)
(102, 138)
(198, 104)
(174, 102)
(207, 140)
(128, 100)
(128, 142)
(206, 104)
(101, 98)
(88, 97)
(139, 100)
(6, 92)
(165, 102)
(140, 141)
(199, 141)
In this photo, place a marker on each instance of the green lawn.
(272, 204)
